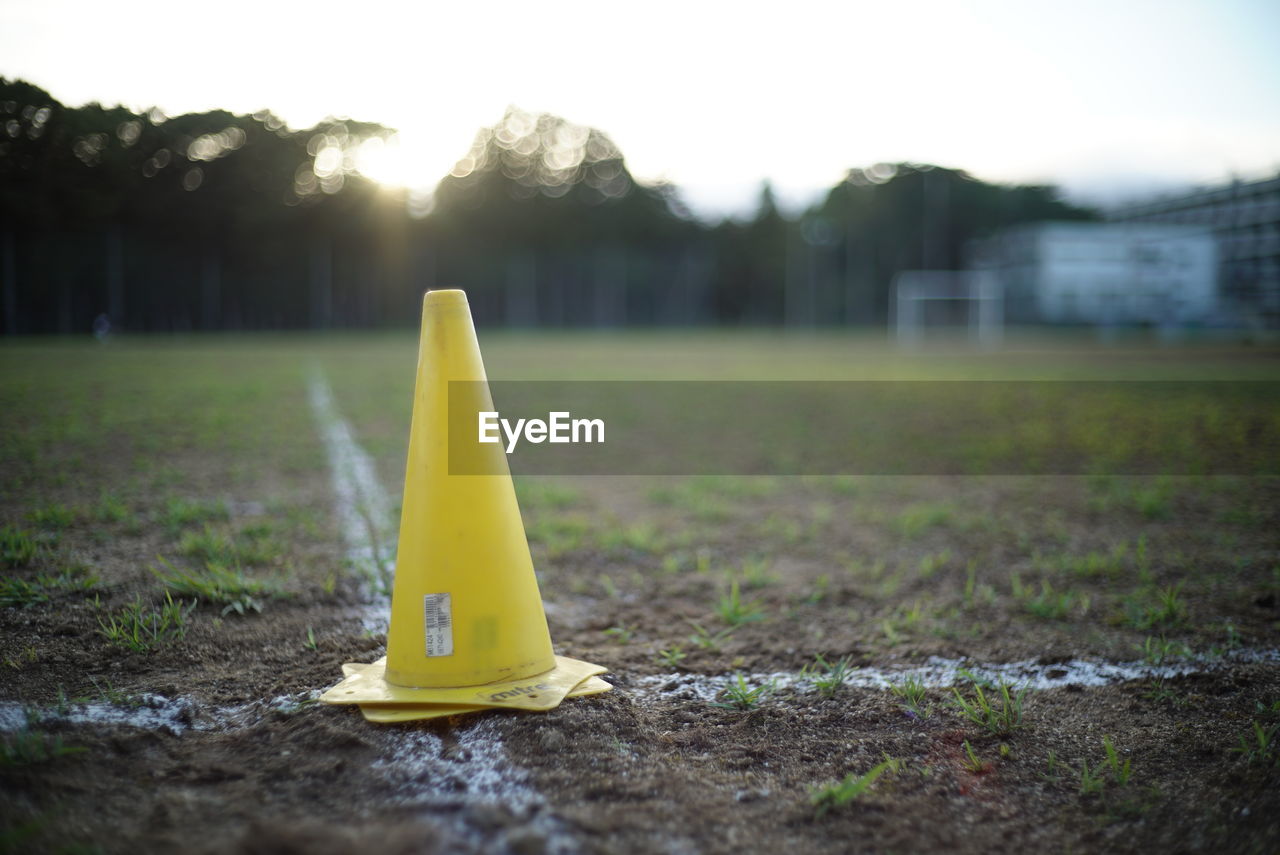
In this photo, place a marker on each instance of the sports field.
(198, 532)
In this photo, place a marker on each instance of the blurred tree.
(202, 220)
(543, 214)
(751, 266)
(905, 216)
(213, 220)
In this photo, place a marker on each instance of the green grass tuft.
(1000, 718)
(734, 611)
(1260, 746)
(29, 747)
(1150, 608)
(219, 585)
(705, 639)
(972, 763)
(827, 677)
(18, 547)
(534, 495)
(111, 509)
(911, 692)
(179, 513)
(23, 593)
(840, 793)
(742, 696)
(672, 656)
(253, 548)
(52, 516)
(141, 630)
(1047, 603)
(918, 519)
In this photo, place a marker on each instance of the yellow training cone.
(467, 627)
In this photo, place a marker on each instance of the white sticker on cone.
(438, 624)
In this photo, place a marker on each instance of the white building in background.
(1104, 273)
(1244, 216)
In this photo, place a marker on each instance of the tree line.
(216, 221)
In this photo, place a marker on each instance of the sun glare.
(408, 159)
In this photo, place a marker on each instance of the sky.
(1110, 100)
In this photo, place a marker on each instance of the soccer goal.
(926, 300)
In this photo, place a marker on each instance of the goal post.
(977, 291)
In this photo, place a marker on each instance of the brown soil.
(632, 771)
(881, 570)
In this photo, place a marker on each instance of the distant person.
(102, 327)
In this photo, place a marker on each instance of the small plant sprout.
(1091, 780)
(1163, 608)
(20, 593)
(1157, 651)
(52, 516)
(1000, 718)
(1049, 604)
(755, 573)
(110, 694)
(1159, 691)
(311, 643)
(620, 634)
(896, 764)
(740, 695)
(18, 547)
(1095, 780)
(733, 611)
(972, 763)
(672, 656)
(110, 509)
(890, 633)
(63, 706)
(1120, 772)
(976, 678)
(827, 677)
(705, 639)
(1234, 641)
(819, 592)
(911, 691)
(28, 747)
(840, 793)
(1171, 607)
(1051, 768)
(1259, 746)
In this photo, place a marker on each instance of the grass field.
(800, 662)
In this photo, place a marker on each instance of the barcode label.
(438, 624)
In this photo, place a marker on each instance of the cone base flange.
(401, 713)
(368, 685)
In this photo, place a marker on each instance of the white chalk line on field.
(939, 673)
(477, 771)
(179, 715)
(153, 712)
(362, 506)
